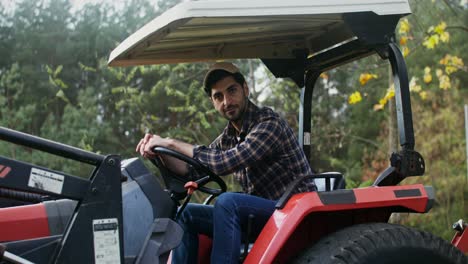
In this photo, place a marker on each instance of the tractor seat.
(325, 184)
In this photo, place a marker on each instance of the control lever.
(11, 258)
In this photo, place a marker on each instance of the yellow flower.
(324, 76)
(390, 93)
(452, 63)
(435, 34)
(439, 73)
(427, 75)
(430, 30)
(457, 61)
(383, 101)
(378, 107)
(406, 51)
(440, 29)
(445, 37)
(445, 60)
(403, 40)
(431, 42)
(355, 98)
(450, 69)
(444, 82)
(365, 77)
(404, 26)
(427, 78)
(454, 60)
(413, 86)
(423, 95)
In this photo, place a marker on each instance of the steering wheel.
(198, 166)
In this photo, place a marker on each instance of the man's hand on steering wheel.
(191, 186)
(171, 162)
(146, 144)
(196, 165)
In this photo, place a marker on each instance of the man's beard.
(239, 112)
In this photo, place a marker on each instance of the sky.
(77, 4)
(8, 4)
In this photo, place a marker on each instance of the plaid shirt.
(265, 158)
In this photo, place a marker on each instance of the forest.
(55, 83)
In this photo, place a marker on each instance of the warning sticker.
(106, 241)
(46, 180)
(306, 138)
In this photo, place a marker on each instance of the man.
(257, 146)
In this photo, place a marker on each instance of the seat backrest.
(335, 183)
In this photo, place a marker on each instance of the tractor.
(123, 214)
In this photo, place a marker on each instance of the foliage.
(440, 138)
(438, 76)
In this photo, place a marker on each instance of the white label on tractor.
(306, 138)
(106, 241)
(46, 180)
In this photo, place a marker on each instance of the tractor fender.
(460, 240)
(44, 219)
(307, 217)
(23, 222)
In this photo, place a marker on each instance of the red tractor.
(122, 214)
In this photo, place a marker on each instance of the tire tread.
(352, 245)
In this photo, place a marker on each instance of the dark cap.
(225, 66)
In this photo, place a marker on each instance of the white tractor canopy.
(210, 30)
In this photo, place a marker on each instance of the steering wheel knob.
(191, 186)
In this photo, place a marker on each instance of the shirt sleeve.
(261, 141)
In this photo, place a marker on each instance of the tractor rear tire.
(384, 244)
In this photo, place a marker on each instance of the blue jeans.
(223, 222)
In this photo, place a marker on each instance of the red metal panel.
(280, 226)
(23, 222)
(283, 222)
(460, 240)
(385, 196)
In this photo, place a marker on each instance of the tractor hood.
(268, 29)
